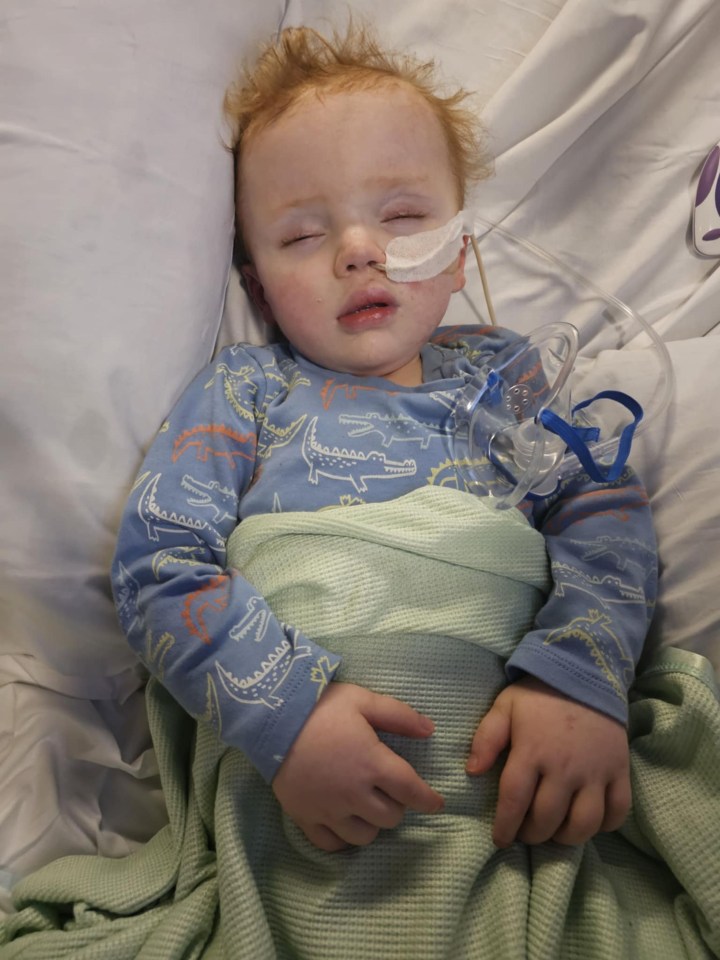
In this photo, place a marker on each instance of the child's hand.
(339, 782)
(567, 775)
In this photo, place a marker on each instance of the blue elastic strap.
(576, 438)
(493, 385)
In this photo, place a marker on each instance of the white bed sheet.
(114, 253)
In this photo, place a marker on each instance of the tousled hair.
(301, 60)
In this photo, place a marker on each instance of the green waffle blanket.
(424, 597)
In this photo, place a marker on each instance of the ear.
(459, 270)
(256, 292)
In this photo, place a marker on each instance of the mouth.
(370, 307)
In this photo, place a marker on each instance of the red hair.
(302, 61)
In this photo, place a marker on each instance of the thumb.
(395, 716)
(491, 738)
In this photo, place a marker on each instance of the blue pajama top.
(262, 429)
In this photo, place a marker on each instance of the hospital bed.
(117, 279)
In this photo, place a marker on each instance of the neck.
(409, 375)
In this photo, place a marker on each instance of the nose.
(358, 248)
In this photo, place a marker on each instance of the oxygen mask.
(552, 404)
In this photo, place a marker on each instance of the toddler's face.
(324, 189)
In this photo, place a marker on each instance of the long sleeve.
(201, 628)
(589, 635)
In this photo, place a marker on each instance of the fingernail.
(427, 724)
(473, 765)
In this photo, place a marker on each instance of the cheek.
(294, 302)
(431, 297)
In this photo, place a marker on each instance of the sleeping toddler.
(342, 147)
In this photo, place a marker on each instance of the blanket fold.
(425, 597)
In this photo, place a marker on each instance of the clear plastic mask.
(570, 396)
(553, 404)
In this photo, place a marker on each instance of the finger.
(584, 818)
(381, 810)
(491, 738)
(516, 791)
(548, 812)
(395, 716)
(322, 837)
(401, 782)
(355, 831)
(618, 800)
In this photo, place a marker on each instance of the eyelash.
(396, 216)
(292, 240)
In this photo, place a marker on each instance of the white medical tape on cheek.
(421, 256)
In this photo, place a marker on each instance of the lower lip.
(366, 319)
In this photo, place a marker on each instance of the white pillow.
(116, 229)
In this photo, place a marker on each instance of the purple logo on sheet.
(707, 176)
(706, 212)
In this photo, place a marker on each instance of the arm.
(563, 717)
(199, 627)
(212, 640)
(590, 633)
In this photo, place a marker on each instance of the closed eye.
(303, 236)
(404, 216)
